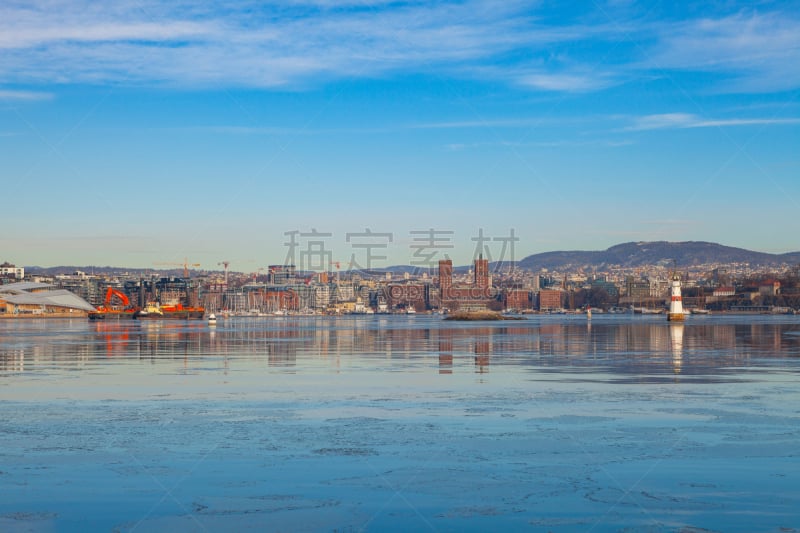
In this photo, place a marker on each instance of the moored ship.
(170, 312)
(108, 311)
(112, 314)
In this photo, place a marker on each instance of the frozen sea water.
(401, 423)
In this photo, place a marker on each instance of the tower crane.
(225, 265)
(337, 264)
(185, 266)
(257, 272)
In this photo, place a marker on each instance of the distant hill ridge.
(629, 254)
(639, 254)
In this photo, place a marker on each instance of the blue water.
(554, 423)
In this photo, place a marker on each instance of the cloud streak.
(759, 52)
(688, 120)
(248, 45)
(27, 96)
(267, 45)
(567, 82)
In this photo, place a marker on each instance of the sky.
(145, 134)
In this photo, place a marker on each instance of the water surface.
(399, 423)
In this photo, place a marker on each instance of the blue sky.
(146, 132)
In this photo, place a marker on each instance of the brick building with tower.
(475, 296)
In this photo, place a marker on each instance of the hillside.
(637, 254)
(630, 254)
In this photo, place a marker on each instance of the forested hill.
(637, 254)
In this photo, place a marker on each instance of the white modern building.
(40, 300)
(7, 269)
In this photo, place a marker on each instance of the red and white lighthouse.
(676, 301)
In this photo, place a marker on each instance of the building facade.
(9, 270)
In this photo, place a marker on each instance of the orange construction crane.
(185, 266)
(107, 310)
(110, 293)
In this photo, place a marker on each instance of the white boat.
(647, 310)
(212, 319)
(410, 310)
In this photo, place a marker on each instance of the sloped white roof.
(16, 293)
(23, 286)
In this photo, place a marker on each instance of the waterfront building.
(519, 299)
(724, 291)
(551, 299)
(40, 300)
(344, 292)
(9, 270)
(270, 299)
(482, 279)
(281, 274)
(407, 294)
(465, 296)
(322, 297)
(659, 288)
(770, 288)
(83, 285)
(637, 289)
(610, 288)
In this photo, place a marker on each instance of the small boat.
(212, 319)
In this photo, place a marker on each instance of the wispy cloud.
(758, 52)
(488, 123)
(9, 95)
(250, 45)
(558, 143)
(669, 222)
(688, 120)
(292, 44)
(29, 35)
(567, 82)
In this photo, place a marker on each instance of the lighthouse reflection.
(676, 340)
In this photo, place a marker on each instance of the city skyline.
(147, 133)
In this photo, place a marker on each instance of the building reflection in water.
(630, 347)
(445, 351)
(483, 347)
